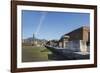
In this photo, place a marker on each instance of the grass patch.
(32, 53)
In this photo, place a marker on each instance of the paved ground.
(66, 54)
(34, 54)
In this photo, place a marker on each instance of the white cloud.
(40, 22)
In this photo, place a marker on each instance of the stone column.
(83, 46)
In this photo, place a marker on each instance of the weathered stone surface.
(66, 54)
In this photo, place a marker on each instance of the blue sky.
(51, 25)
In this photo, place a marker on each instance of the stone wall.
(78, 46)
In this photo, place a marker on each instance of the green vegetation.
(32, 54)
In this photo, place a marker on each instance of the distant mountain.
(31, 39)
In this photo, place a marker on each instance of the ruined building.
(77, 40)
